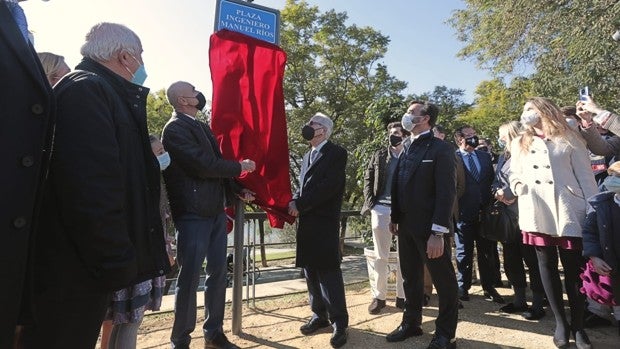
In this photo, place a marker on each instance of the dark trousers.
(72, 320)
(413, 257)
(468, 234)
(326, 293)
(514, 255)
(199, 238)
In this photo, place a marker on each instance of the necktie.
(473, 170)
(19, 17)
(313, 155)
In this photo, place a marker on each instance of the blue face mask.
(139, 76)
(501, 143)
(612, 183)
(164, 160)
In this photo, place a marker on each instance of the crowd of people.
(92, 190)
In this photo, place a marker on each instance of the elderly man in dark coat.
(317, 203)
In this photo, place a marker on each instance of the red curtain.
(248, 117)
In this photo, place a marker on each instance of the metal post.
(237, 296)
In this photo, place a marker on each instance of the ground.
(274, 323)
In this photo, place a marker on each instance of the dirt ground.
(274, 323)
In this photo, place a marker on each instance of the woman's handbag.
(596, 286)
(500, 224)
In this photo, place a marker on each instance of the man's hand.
(434, 246)
(247, 165)
(588, 106)
(292, 209)
(499, 194)
(600, 266)
(393, 228)
(246, 195)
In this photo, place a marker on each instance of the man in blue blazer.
(479, 175)
(423, 195)
(317, 205)
(27, 113)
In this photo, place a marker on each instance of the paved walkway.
(353, 271)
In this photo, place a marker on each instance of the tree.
(450, 103)
(336, 69)
(567, 44)
(158, 111)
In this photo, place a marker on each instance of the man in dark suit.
(478, 179)
(198, 182)
(27, 113)
(317, 203)
(423, 195)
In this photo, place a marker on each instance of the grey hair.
(324, 120)
(106, 40)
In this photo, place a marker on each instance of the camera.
(584, 93)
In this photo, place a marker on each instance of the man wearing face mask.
(317, 204)
(199, 183)
(377, 200)
(479, 176)
(100, 224)
(27, 116)
(423, 195)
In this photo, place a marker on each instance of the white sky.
(175, 36)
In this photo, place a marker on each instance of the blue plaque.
(257, 21)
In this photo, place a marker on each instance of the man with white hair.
(27, 114)
(317, 204)
(100, 229)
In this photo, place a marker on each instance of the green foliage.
(336, 69)
(567, 43)
(158, 111)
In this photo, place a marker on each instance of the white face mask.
(410, 121)
(530, 119)
(164, 160)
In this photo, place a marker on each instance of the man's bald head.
(179, 89)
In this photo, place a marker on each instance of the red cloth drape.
(248, 117)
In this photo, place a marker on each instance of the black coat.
(198, 178)
(27, 112)
(319, 201)
(424, 187)
(477, 192)
(101, 228)
(601, 230)
(374, 177)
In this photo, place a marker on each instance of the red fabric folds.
(248, 117)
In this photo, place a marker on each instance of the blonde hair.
(51, 64)
(511, 130)
(614, 169)
(554, 125)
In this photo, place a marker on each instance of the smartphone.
(583, 93)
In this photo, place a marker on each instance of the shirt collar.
(319, 146)
(413, 138)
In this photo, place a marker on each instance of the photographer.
(591, 116)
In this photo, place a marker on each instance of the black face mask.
(307, 132)
(472, 141)
(395, 140)
(202, 101)
(484, 149)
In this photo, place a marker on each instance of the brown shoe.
(376, 305)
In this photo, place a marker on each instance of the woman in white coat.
(552, 177)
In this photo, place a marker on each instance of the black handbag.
(500, 224)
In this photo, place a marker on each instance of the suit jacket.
(424, 188)
(319, 200)
(197, 177)
(374, 177)
(27, 112)
(477, 192)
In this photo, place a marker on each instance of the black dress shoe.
(511, 308)
(219, 342)
(400, 303)
(313, 325)
(492, 295)
(534, 314)
(581, 339)
(339, 338)
(403, 332)
(463, 294)
(376, 305)
(441, 342)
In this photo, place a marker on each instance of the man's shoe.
(219, 342)
(376, 305)
(492, 295)
(313, 325)
(511, 308)
(400, 303)
(441, 342)
(463, 294)
(403, 332)
(534, 314)
(339, 338)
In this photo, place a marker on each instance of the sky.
(175, 36)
